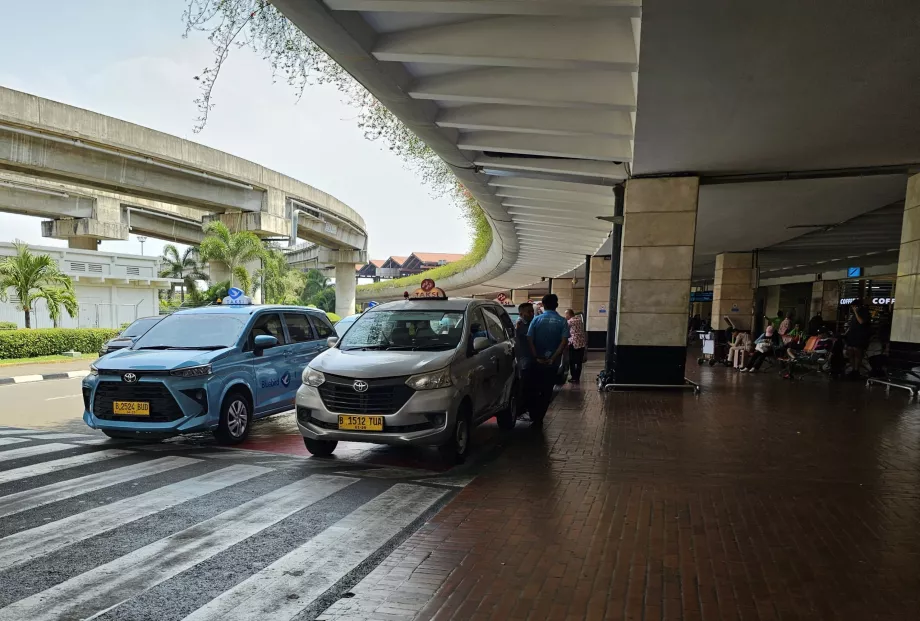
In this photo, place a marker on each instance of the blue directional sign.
(854, 272)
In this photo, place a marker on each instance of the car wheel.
(507, 418)
(457, 448)
(320, 448)
(235, 419)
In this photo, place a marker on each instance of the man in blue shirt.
(547, 335)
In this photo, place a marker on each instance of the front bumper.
(184, 402)
(427, 418)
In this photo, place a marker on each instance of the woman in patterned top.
(577, 343)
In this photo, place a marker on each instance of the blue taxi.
(215, 368)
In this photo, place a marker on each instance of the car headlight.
(93, 370)
(430, 381)
(312, 377)
(199, 371)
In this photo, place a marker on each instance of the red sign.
(427, 284)
(502, 298)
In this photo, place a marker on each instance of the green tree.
(232, 249)
(318, 292)
(58, 297)
(185, 266)
(280, 284)
(31, 276)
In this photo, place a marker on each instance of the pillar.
(562, 287)
(656, 265)
(732, 291)
(83, 243)
(825, 299)
(519, 296)
(578, 299)
(905, 326)
(598, 302)
(345, 285)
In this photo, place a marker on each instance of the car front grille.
(383, 396)
(163, 406)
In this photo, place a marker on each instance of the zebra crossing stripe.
(41, 540)
(5, 441)
(60, 464)
(107, 586)
(56, 436)
(39, 496)
(32, 451)
(19, 432)
(314, 567)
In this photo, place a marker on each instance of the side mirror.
(480, 343)
(331, 341)
(263, 342)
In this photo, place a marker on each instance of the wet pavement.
(758, 499)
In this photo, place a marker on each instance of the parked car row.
(419, 371)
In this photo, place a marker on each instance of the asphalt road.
(52, 404)
(182, 531)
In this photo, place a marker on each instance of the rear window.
(139, 327)
(322, 326)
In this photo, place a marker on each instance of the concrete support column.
(825, 298)
(598, 302)
(519, 296)
(905, 326)
(83, 243)
(562, 287)
(659, 231)
(578, 300)
(345, 286)
(732, 292)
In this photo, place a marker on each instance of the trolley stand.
(604, 386)
(912, 390)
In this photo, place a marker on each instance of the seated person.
(740, 346)
(795, 338)
(764, 346)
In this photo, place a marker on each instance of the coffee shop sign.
(875, 301)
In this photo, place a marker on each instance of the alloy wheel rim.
(237, 418)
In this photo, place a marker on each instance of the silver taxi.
(413, 372)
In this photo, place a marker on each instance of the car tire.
(508, 417)
(235, 419)
(455, 450)
(320, 448)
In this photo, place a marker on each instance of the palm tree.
(232, 249)
(280, 284)
(184, 266)
(318, 292)
(56, 297)
(32, 277)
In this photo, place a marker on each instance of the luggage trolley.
(715, 346)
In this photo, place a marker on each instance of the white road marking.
(311, 569)
(5, 441)
(31, 451)
(41, 540)
(98, 441)
(39, 496)
(59, 464)
(26, 379)
(107, 586)
(64, 397)
(57, 436)
(19, 432)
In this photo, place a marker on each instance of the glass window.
(268, 324)
(298, 327)
(494, 325)
(322, 326)
(478, 326)
(405, 329)
(140, 326)
(194, 331)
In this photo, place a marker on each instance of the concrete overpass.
(97, 177)
(740, 130)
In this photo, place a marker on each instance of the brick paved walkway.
(759, 499)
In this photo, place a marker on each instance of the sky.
(127, 59)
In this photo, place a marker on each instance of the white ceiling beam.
(567, 242)
(590, 89)
(559, 220)
(535, 42)
(574, 168)
(535, 120)
(550, 186)
(561, 197)
(618, 8)
(583, 209)
(578, 147)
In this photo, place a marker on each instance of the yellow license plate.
(361, 423)
(131, 408)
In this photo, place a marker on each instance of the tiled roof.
(435, 257)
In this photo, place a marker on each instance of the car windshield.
(342, 326)
(405, 330)
(193, 331)
(140, 326)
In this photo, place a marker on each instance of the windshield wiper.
(364, 348)
(156, 347)
(172, 347)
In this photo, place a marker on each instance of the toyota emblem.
(129, 378)
(359, 386)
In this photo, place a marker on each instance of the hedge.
(52, 341)
(8, 325)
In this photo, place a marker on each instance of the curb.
(28, 379)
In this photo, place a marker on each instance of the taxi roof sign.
(427, 291)
(236, 297)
